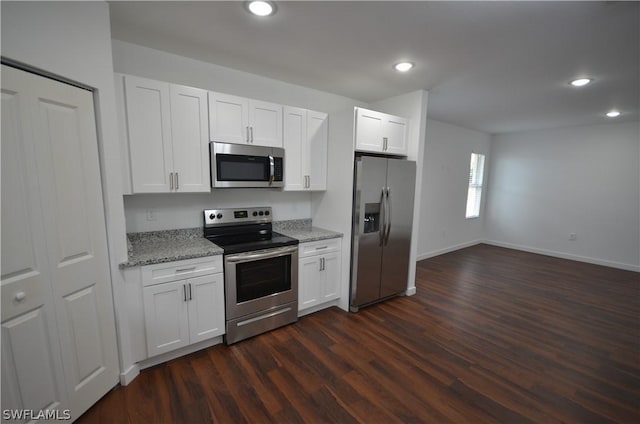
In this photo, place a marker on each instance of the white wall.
(445, 182)
(585, 180)
(185, 210)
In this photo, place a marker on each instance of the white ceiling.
(490, 66)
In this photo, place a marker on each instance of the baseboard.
(127, 376)
(179, 352)
(556, 254)
(317, 308)
(447, 249)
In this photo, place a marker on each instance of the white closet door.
(32, 376)
(67, 167)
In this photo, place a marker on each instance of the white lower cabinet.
(318, 273)
(185, 311)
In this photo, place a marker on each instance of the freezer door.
(368, 214)
(401, 177)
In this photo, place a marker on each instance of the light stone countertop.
(154, 247)
(303, 230)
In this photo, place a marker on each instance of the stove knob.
(255, 213)
(260, 213)
(266, 213)
(219, 216)
(212, 216)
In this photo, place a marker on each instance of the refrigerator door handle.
(387, 216)
(383, 217)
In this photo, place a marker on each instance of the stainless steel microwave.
(237, 165)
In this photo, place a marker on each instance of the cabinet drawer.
(319, 247)
(179, 270)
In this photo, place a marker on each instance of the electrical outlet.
(573, 236)
(151, 215)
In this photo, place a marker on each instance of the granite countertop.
(156, 247)
(303, 230)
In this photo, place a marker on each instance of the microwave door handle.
(272, 170)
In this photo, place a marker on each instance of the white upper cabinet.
(189, 128)
(378, 132)
(149, 131)
(305, 143)
(167, 137)
(238, 120)
(228, 118)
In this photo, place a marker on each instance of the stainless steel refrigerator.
(383, 194)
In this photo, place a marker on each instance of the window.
(476, 172)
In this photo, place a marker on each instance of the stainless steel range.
(260, 271)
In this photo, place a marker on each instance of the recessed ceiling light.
(261, 8)
(580, 82)
(613, 114)
(403, 66)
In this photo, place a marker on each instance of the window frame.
(475, 186)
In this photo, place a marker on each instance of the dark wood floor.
(493, 335)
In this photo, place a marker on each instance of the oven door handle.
(266, 254)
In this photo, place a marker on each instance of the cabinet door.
(317, 142)
(228, 118)
(297, 157)
(149, 130)
(65, 150)
(395, 130)
(189, 128)
(32, 373)
(265, 120)
(331, 276)
(309, 289)
(369, 130)
(166, 317)
(206, 307)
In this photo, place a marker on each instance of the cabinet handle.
(191, 268)
(323, 264)
(248, 135)
(321, 247)
(251, 130)
(385, 141)
(190, 297)
(320, 265)
(20, 296)
(170, 180)
(177, 186)
(184, 292)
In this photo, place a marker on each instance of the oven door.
(260, 280)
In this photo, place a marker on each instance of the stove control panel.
(215, 217)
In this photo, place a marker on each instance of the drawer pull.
(186, 269)
(20, 296)
(322, 247)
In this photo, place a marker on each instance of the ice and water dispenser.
(371, 217)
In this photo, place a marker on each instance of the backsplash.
(184, 210)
